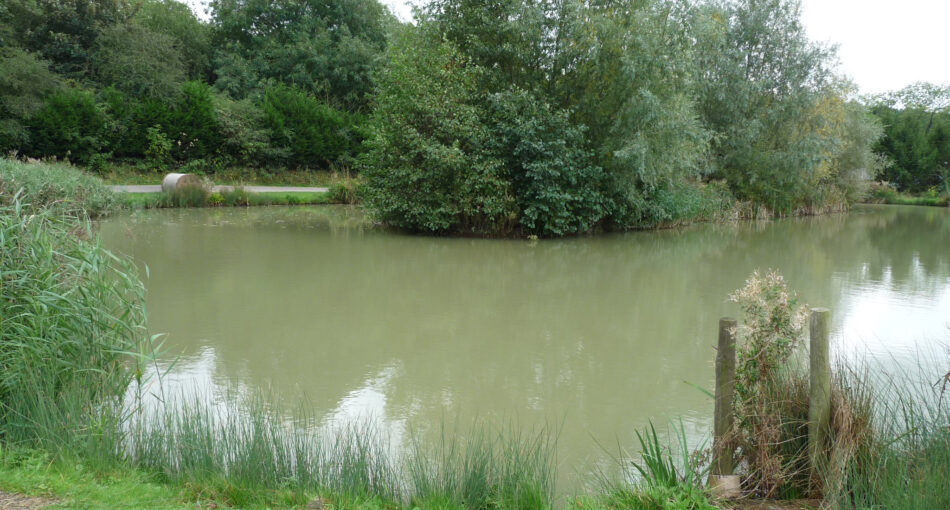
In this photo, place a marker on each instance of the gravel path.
(155, 188)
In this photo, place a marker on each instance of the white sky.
(883, 44)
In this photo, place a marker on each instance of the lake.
(592, 335)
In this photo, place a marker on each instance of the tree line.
(546, 117)
(284, 83)
(916, 139)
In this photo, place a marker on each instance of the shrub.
(557, 187)
(426, 169)
(236, 196)
(245, 138)
(772, 399)
(158, 153)
(70, 125)
(194, 124)
(314, 133)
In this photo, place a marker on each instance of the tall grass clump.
(667, 477)
(57, 186)
(251, 455)
(484, 468)
(906, 463)
(71, 327)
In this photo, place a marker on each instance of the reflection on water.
(595, 334)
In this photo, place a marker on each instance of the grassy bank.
(56, 186)
(884, 193)
(223, 199)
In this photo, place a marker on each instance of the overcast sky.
(883, 44)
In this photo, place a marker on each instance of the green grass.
(160, 200)
(904, 199)
(885, 194)
(72, 484)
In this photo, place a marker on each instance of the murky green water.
(595, 335)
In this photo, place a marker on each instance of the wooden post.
(819, 401)
(722, 483)
(725, 392)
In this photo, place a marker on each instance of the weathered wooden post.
(721, 479)
(819, 397)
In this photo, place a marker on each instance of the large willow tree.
(783, 134)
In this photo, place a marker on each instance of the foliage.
(908, 463)
(345, 191)
(886, 193)
(625, 71)
(25, 81)
(69, 125)
(557, 187)
(63, 32)
(769, 97)
(188, 196)
(158, 153)
(313, 132)
(602, 115)
(916, 121)
(194, 122)
(244, 135)
(664, 483)
(72, 316)
(484, 468)
(327, 49)
(426, 168)
(772, 402)
(139, 62)
(657, 467)
(855, 164)
(191, 38)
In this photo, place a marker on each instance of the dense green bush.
(314, 133)
(426, 168)
(69, 125)
(194, 124)
(557, 187)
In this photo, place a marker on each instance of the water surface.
(596, 335)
